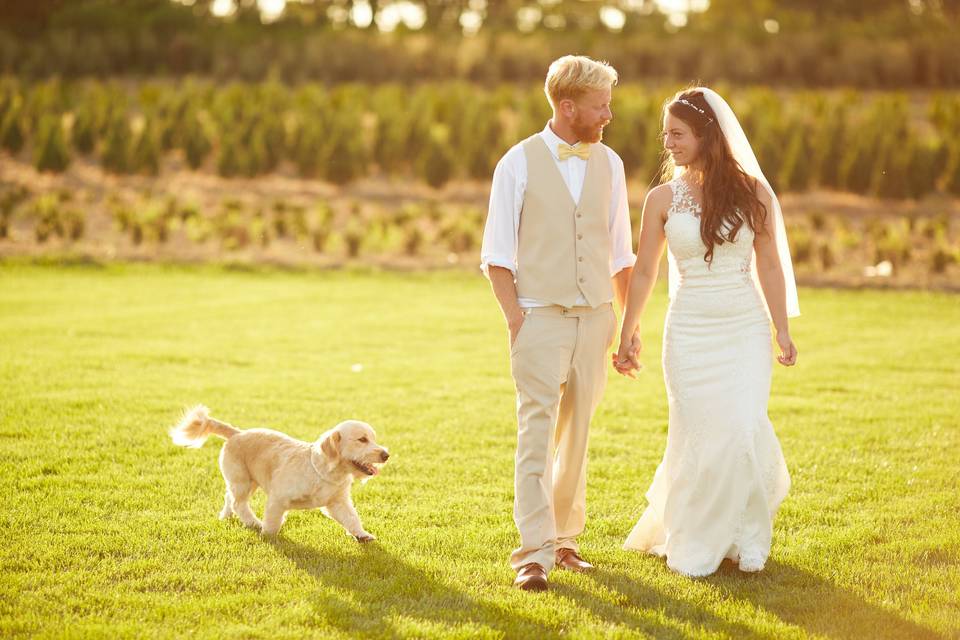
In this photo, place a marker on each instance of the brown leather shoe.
(571, 561)
(531, 577)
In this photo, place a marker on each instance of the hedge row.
(892, 144)
(824, 56)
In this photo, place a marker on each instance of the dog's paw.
(365, 537)
(269, 532)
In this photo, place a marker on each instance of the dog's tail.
(197, 425)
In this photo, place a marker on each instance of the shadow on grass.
(816, 605)
(379, 593)
(792, 595)
(382, 587)
(628, 595)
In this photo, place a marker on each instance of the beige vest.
(564, 247)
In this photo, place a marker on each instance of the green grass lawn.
(110, 530)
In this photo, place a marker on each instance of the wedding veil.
(743, 153)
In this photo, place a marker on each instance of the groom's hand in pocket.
(513, 325)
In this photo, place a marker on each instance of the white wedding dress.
(723, 475)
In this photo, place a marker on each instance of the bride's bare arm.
(644, 276)
(771, 281)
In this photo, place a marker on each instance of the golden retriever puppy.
(294, 474)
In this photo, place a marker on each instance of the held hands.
(627, 358)
(788, 350)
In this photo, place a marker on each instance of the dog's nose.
(384, 455)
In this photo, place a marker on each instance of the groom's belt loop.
(568, 312)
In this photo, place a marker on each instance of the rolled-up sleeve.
(499, 246)
(621, 238)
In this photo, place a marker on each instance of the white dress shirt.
(500, 235)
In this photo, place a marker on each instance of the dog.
(294, 474)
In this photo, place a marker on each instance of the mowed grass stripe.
(111, 530)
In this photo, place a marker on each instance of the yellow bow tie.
(582, 151)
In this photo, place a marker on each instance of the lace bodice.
(682, 229)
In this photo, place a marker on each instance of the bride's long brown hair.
(729, 194)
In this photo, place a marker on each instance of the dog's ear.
(330, 445)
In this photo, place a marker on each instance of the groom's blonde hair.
(570, 77)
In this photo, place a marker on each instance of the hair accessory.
(695, 108)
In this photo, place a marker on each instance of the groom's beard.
(585, 132)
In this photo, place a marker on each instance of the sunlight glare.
(391, 15)
(271, 10)
(613, 18)
(361, 14)
(471, 21)
(223, 8)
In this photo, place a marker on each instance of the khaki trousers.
(559, 366)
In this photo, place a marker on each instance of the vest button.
(580, 259)
(579, 236)
(581, 279)
(579, 215)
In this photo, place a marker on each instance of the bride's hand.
(627, 358)
(788, 350)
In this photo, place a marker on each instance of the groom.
(556, 247)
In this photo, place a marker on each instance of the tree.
(29, 16)
(952, 182)
(11, 126)
(443, 15)
(795, 172)
(146, 150)
(344, 155)
(436, 165)
(83, 134)
(229, 162)
(116, 149)
(196, 142)
(51, 152)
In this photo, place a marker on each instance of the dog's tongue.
(375, 470)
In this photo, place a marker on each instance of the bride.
(723, 475)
